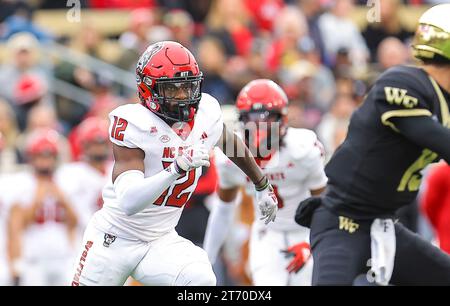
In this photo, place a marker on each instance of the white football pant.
(267, 262)
(170, 260)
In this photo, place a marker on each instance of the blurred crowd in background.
(50, 79)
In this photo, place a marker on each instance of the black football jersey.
(377, 170)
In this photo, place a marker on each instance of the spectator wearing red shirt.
(436, 203)
(290, 28)
(120, 4)
(264, 12)
(230, 21)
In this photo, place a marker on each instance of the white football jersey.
(83, 184)
(6, 181)
(293, 171)
(47, 237)
(134, 126)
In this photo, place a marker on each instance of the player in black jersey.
(402, 126)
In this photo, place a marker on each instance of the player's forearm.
(251, 169)
(15, 231)
(243, 158)
(219, 223)
(135, 192)
(427, 133)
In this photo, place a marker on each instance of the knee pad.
(196, 274)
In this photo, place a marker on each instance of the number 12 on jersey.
(118, 128)
(178, 196)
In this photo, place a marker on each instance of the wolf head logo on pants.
(109, 239)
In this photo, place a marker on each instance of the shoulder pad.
(300, 142)
(136, 114)
(211, 107)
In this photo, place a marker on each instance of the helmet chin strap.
(184, 113)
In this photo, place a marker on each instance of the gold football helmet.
(432, 38)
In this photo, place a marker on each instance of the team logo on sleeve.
(153, 130)
(109, 239)
(399, 97)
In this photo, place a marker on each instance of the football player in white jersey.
(43, 221)
(293, 160)
(5, 271)
(84, 180)
(6, 275)
(160, 147)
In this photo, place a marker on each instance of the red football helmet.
(43, 142)
(93, 129)
(263, 100)
(92, 140)
(169, 81)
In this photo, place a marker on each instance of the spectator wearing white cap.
(9, 153)
(340, 33)
(23, 57)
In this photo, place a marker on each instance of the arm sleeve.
(135, 192)
(425, 132)
(219, 223)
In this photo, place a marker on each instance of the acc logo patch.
(164, 138)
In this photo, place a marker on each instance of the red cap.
(93, 129)
(29, 88)
(43, 141)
